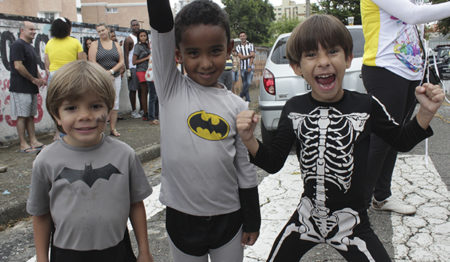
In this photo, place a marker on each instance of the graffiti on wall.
(7, 36)
(9, 32)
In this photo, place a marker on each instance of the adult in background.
(226, 77)
(61, 49)
(246, 53)
(25, 81)
(235, 70)
(393, 67)
(133, 83)
(107, 54)
(112, 35)
(86, 44)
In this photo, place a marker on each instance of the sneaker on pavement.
(135, 114)
(394, 205)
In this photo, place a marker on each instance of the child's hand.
(249, 238)
(430, 97)
(246, 122)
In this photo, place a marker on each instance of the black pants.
(398, 96)
(121, 252)
(362, 244)
(196, 235)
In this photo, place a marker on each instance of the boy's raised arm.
(160, 14)
(430, 98)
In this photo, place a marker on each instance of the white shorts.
(117, 84)
(23, 104)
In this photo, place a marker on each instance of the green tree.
(444, 24)
(285, 25)
(340, 9)
(252, 16)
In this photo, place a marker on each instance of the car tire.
(267, 136)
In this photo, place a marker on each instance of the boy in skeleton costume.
(332, 127)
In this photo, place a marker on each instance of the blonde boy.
(86, 185)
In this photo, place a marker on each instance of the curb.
(17, 210)
(148, 153)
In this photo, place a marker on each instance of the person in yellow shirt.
(61, 49)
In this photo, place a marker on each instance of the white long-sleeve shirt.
(392, 40)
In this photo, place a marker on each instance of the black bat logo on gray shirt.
(88, 175)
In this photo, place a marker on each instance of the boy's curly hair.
(199, 12)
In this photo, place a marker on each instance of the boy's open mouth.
(326, 81)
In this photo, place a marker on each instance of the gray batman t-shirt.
(204, 161)
(88, 192)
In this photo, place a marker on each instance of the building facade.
(179, 4)
(50, 9)
(115, 12)
(290, 10)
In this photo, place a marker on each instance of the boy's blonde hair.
(74, 80)
(326, 30)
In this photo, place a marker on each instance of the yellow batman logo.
(208, 126)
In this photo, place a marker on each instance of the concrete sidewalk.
(15, 182)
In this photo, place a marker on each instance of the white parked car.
(279, 82)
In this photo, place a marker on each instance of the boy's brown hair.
(74, 80)
(324, 29)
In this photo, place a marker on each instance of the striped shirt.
(245, 50)
(228, 65)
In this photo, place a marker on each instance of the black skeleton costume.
(332, 146)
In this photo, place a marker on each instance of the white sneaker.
(141, 112)
(135, 114)
(394, 205)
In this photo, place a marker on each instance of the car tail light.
(269, 82)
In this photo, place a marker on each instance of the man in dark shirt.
(133, 83)
(24, 86)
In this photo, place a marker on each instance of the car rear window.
(279, 51)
